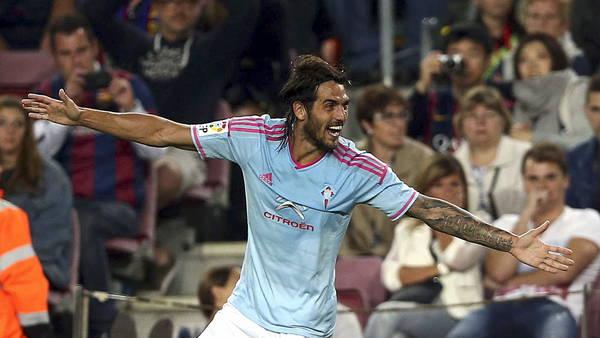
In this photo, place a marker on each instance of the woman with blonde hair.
(490, 158)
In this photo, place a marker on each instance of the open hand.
(63, 111)
(530, 250)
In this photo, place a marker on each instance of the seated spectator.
(549, 96)
(490, 158)
(434, 104)
(383, 115)
(107, 174)
(217, 285)
(552, 17)
(584, 159)
(546, 179)
(24, 23)
(23, 287)
(499, 18)
(172, 62)
(33, 183)
(426, 266)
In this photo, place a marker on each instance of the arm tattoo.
(445, 217)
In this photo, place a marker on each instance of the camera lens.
(452, 64)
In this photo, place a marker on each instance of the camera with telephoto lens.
(452, 63)
(97, 80)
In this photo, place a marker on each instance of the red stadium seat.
(354, 299)
(364, 274)
(22, 71)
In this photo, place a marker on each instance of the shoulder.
(415, 146)
(272, 129)
(590, 217)
(581, 149)
(514, 144)
(359, 162)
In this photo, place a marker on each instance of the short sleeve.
(392, 196)
(235, 139)
(587, 226)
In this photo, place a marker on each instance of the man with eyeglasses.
(187, 70)
(550, 17)
(383, 116)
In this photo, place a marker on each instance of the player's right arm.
(143, 128)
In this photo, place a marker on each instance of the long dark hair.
(560, 61)
(27, 173)
(308, 72)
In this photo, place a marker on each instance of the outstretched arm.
(528, 248)
(143, 128)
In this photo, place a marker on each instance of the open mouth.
(334, 131)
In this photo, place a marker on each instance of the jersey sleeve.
(234, 139)
(392, 196)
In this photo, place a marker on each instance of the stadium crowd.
(500, 115)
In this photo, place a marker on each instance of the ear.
(299, 110)
(367, 127)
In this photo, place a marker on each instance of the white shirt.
(572, 223)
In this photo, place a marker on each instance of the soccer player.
(302, 181)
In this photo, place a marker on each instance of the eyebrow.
(345, 102)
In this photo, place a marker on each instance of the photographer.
(467, 50)
(107, 174)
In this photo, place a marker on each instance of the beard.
(311, 131)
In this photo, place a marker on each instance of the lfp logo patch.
(217, 127)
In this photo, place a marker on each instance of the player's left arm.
(528, 248)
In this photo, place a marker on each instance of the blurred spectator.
(218, 283)
(550, 17)
(107, 174)
(23, 287)
(491, 159)
(33, 183)
(433, 103)
(584, 159)
(311, 31)
(426, 266)
(173, 61)
(546, 180)
(141, 13)
(383, 114)
(264, 63)
(498, 16)
(24, 23)
(585, 27)
(549, 95)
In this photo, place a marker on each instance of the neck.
(172, 36)
(549, 214)
(483, 154)
(494, 24)
(9, 161)
(385, 154)
(303, 151)
(458, 90)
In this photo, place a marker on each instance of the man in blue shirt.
(302, 181)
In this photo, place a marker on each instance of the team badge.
(328, 194)
(213, 127)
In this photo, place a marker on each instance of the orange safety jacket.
(23, 286)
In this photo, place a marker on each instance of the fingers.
(41, 98)
(560, 250)
(64, 97)
(540, 230)
(38, 116)
(547, 268)
(554, 264)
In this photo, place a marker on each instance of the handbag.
(424, 292)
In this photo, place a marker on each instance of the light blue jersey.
(297, 217)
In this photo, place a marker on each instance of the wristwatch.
(443, 269)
